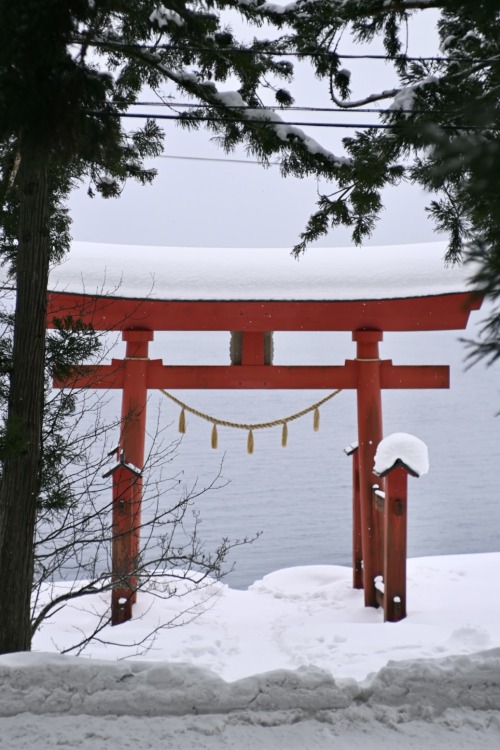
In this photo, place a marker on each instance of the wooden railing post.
(395, 534)
(357, 548)
(125, 479)
(397, 456)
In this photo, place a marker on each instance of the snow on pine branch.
(282, 129)
(405, 98)
(162, 16)
(350, 104)
(208, 93)
(269, 7)
(348, 10)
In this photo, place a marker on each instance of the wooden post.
(397, 456)
(133, 428)
(252, 350)
(357, 548)
(395, 530)
(369, 402)
(124, 480)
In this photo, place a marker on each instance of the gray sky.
(200, 203)
(226, 204)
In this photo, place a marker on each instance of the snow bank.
(44, 683)
(294, 662)
(92, 704)
(297, 617)
(56, 684)
(260, 273)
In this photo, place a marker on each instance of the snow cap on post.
(401, 449)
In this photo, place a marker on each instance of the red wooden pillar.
(357, 547)
(133, 426)
(124, 479)
(395, 523)
(369, 400)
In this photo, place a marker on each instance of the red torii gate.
(367, 319)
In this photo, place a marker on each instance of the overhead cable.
(295, 53)
(293, 108)
(213, 158)
(264, 121)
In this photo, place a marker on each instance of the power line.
(296, 53)
(293, 108)
(212, 158)
(263, 121)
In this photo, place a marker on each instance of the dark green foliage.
(443, 128)
(70, 344)
(60, 222)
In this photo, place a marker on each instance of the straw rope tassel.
(250, 444)
(316, 420)
(215, 438)
(250, 427)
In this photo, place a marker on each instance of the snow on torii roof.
(189, 273)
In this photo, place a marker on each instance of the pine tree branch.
(353, 104)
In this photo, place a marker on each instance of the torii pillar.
(127, 474)
(370, 433)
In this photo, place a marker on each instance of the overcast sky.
(197, 202)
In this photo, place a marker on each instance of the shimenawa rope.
(215, 421)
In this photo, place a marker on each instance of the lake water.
(299, 497)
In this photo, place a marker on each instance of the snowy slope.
(295, 662)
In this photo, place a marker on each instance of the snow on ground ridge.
(57, 684)
(296, 662)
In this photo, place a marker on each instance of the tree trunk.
(21, 471)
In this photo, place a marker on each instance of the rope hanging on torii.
(215, 421)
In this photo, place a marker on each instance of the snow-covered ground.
(295, 661)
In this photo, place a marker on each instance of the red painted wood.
(432, 313)
(413, 376)
(135, 387)
(378, 509)
(395, 532)
(369, 401)
(252, 351)
(327, 377)
(121, 552)
(357, 546)
(95, 376)
(133, 426)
